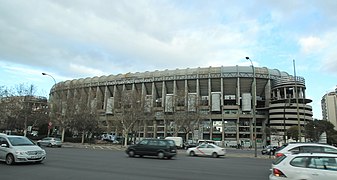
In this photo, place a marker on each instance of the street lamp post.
(296, 96)
(45, 74)
(254, 106)
(49, 124)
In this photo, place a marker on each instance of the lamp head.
(247, 58)
(44, 73)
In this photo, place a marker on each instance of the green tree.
(292, 133)
(314, 129)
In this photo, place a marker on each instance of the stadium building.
(220, 99)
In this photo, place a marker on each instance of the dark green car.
(162, 148)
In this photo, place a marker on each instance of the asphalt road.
(86, 163)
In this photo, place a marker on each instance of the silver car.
(50, 142)
(305, 148)
(313, 166)
(15, 149)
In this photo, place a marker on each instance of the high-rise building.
(329, 107)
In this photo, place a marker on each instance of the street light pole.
(49, 124)
(45, 74)
(296, 95)
(254, 106)
(284, 123)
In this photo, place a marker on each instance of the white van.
(178, 141)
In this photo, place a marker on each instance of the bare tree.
(20, 108)
(186, 116)
(63, 109)
(84, 121)
(129, 111)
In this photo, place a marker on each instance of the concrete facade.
(222, 94)
(329, 107)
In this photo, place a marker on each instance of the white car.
(15, 149)
(309, 166)
(305, 148)
(206, 150)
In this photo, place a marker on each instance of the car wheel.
(161, 155)
(50, 145)
(215, 155)
(131, 153)
(10, 159)
(38, 144)
(192, 153)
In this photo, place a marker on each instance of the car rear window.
(299, 161)
(279, 159)
(282, 147)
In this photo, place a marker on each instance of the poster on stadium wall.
(109, 105)
(192, 100)
(148, 103)
(169, 103)
(216, 101)
(246, 102)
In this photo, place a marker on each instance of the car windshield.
(20, 141)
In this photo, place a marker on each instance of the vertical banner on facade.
(216, 97)
(246, 102)
(148, 103)
(110, 105)
(192, 100)
(93, 104)
(169, 103)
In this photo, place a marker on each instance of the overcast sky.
(71, 39)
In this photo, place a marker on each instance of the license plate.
(34, 157)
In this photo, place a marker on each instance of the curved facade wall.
(222, 94)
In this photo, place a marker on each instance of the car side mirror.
(4, 145)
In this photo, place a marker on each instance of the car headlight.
(20, 152)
